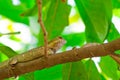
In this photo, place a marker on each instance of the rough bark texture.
(7, 70)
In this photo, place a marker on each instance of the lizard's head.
(56, 43)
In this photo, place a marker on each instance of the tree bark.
(7, 70)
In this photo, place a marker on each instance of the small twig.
(10, 33)
(116, 57)
(39, 3)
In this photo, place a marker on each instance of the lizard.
(34, 53)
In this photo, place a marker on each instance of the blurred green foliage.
(99, 23)
(97, 17)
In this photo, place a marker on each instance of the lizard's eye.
(60, 37)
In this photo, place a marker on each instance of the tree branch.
(63, 57)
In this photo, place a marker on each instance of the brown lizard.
(32, 54)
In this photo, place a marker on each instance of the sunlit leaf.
(28, 3)
(53, 73)
(74, 18)
(116, 3)
(96, 15)
(30, 12)
(12, 12)
(12, 37)
(113, 33)
(74, 39)
(33, 11)
(7, 51)
(56, 19)
(74, 71)
(109, 67)
(116, 12)
(27, 76)
(92, 71)
(45, 2)
(12, 78)
(102, 77)
(3, 57)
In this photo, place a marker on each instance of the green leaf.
(30, 12)
(7, 51)
(12, 78)
(109, 67)
(12, 12)
(34, 10)
(45, 2)
(102, 77)
(56, 20)
(74, 39)
(116, 3)
(3, 57)
(74, 71)
(92, 71)
(28, 3)
(113, 33)
(27, 76)
(12, 37)
(96, 15)
(53, 73)
(116, 12)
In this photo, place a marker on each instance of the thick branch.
(63, 57)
